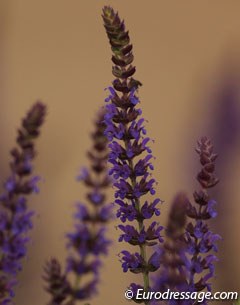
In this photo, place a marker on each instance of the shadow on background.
(226, 136)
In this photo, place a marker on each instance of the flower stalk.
(200, 240)
(130, 155)
(88, 241)
(15, 217)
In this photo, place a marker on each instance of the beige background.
(185, 53)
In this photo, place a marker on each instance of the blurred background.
(187, 57)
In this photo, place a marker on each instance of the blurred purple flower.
(200, 240)
(88, 240)
(15, 218)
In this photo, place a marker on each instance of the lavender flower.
(88, 241)
(15, 217)
(200, 240)
(130, 155)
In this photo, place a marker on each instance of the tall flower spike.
(15, 217)
(201, 241)
(88, 241)
(130, 155)
(172, 274)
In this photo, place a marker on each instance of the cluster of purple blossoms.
(199, 239)
(15, 217)
(88, 241)
(130, 155)
(187, 263)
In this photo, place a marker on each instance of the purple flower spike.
(15, 218)
(200, 240)
(87, 242)
(130, 155)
